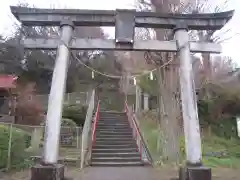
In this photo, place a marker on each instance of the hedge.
(77, 113)
(20, 141)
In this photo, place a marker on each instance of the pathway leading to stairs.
(120, 173)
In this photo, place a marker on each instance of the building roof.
(7, 81)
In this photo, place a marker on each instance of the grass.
(64, 151)
(213, 144)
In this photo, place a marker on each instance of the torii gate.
(124, 22)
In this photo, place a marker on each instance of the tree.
(29, 110)
(167, 75)
(37, 65)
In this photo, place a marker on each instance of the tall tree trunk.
(169, 111)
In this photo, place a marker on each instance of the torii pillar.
(50, 169)
(194, 168)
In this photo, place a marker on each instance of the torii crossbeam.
(124, 22)
(124, 36)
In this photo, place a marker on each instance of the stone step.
(113, 123)
(129, 131)
(117, 136)
(113, 112)
(116, 154)
(113, 133)
(112, 116)
(114, 139)
(116, 159)
(114, 128)
(126, 131)
(104, 142)
(122, 150)
(116, 164)
(114, 146)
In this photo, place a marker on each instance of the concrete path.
(119, 173)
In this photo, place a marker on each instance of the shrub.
(68, 122)
(77, 113)
(18, 145)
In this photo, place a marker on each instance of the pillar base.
(47, 172)
(195, 173)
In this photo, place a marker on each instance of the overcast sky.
(230, 47)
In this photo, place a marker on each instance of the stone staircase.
(115, 145)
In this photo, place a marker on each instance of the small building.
(7, 98)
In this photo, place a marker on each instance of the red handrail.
(95, 124)
(135, 128)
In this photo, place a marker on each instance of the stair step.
(116, 159)
(116, 131)
(113, 133)
(113, 112)
(126, 131)
(116, 154)
(114, 146)
(112, 116)
(117, 136)
(118, 118)
(122, 150)
(110, 139)
(117, 164)
(111, 143)
(115, 127)
(112, 123)
(115, 141)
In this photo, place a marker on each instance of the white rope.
(119, 77)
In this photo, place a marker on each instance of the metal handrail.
(96, 119)
(149, 157)
(137, 134)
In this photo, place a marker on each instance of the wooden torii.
(124, 22)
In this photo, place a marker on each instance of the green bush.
(18, 145)
(68, 122)
(77, 113)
